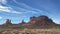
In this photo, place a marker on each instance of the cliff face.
(43, 22)
(40, 21)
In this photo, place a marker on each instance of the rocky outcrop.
(22, 22)
(7, 23)
(40, 22)
(33, 20)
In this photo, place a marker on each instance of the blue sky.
(17, 10)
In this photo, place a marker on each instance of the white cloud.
(3, 1)
(0, 17)
(9, 10)
(16, 12)
(4, 8)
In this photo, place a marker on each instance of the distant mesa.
(40, 21)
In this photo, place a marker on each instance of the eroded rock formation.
(40, 21)
(8, 22)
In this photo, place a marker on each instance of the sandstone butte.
(34, 22)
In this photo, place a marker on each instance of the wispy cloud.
(8, 9)
(3, 1)
(30, 9)
(4, 8)
(27, 10)
(0, 17)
